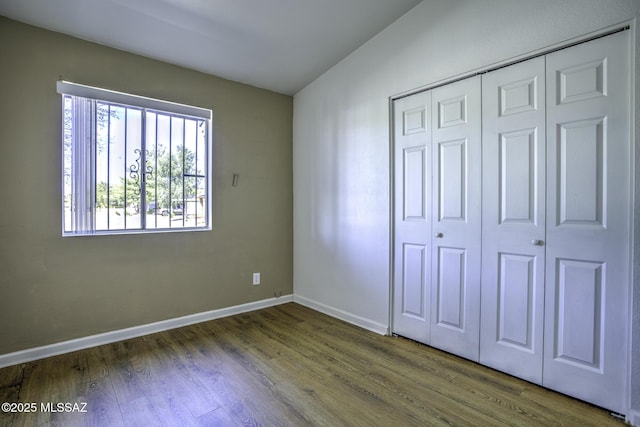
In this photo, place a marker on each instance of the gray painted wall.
(54, 289)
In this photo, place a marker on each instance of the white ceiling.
(281, 45)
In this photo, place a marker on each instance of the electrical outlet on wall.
(256, 278)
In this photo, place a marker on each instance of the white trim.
(76, 89)
(633, 416)
(392, 214)
(134, 332)
(368, 324)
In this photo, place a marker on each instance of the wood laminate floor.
(282, 366)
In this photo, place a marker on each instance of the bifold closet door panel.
(456, 195)
(412, 217)
(513, 219)
(588, 221)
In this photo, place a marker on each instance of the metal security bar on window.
(133, 169)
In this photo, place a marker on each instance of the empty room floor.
(282, 366)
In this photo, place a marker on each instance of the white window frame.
(83, 188)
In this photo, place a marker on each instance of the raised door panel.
(581, 186)
(456, 140)
(452, 181)
(414, 183)
(513, 219)
(413, 284)
(450, 288)
(578, 314)
(517, 190)
(412, 217)
(516, 285)
(588, 211)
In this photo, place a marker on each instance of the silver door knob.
(438, 235)
(537, 242)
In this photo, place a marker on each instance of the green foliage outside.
(165, 187)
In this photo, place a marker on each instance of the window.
(133, 164)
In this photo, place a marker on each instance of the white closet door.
(456, 132)
(588, 224)
(412, 204)
(513, 219)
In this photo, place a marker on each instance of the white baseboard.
(376, 327)
(133, 332)
(633, 418)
